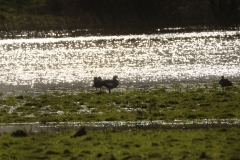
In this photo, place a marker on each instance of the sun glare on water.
(157, 58)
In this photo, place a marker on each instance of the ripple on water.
(156, 58)
(176, 124)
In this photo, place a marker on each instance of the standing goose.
(97, 82)
(225, 83)
(110, 84)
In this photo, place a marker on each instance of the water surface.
(136, 59)
(120, 125)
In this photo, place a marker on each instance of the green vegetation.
(198, 101)
(109, 144)
(28, 15)
(205, 101)
(115, 14)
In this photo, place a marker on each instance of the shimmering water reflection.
(121, 125)
(173, 57)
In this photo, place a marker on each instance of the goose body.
(97, 82)
(225, 82)
(110, 84)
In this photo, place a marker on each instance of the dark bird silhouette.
(225, 83)
(110, 84)
(97, 82)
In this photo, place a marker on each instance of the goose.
(225, 83)
(96, 82)
(110, 84)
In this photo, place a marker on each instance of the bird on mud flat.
(110, 84)
(225, 83)
(97, 82)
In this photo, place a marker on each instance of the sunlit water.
(136, 59)
(121, 125)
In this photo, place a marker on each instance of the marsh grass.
(205, 101)
(128, 144)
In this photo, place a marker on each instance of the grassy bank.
(198, 101)
(110, 144)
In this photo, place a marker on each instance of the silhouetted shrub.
(129, 157)
(227, 115)
(112, 157)
(223, 130)
(19, 133)
(99, 155)
(203, 155)
(110, 119)
(191, 117)
(80, 132)
(51, 152)
(66, 151)
(172, 102)
(20, 97)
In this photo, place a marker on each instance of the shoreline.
(173, 104)
(87, 86)
(121, 125)
(60, 33)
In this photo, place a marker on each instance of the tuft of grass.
(194, 102)
(80, 132)
(214, 143)
(19, 133)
